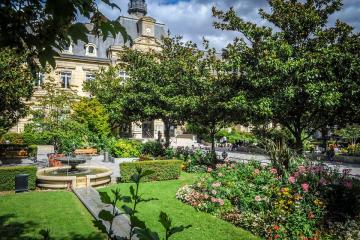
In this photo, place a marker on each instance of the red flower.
(276, 236)
(276, 227)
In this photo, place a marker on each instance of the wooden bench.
(86, 151)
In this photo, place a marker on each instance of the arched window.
(90, 50)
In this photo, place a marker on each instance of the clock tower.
(137, 8)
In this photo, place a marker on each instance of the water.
(79, 172)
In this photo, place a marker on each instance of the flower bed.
(307, 202)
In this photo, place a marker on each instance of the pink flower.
(302, 169)
(257, 198)
(216, 184)
(292, 179)
(273, 171)
(209, 169)
(232, 165)
(256, 171)
(220, 174)
(214, 200)
(305, 187)
(311, 215)
(214, 192)
(348, 184)
(322, 181)
(296, 174)
(220, 201)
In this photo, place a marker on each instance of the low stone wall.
(337, 158)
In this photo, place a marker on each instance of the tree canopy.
(15, 88)
(301, 73)
(42, 26)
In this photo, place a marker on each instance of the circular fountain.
(73, 174)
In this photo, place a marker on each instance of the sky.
(193, 20)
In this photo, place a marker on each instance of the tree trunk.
(212, 135)
(324, 135)
(299, 147)
(167, 127)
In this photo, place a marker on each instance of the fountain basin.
(96, 176)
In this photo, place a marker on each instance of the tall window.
(65, 79)
(40, 77)
(89, 76)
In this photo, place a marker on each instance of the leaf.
(132, 192)
(106, 215)
(126, 199)
(146, 234)
(178, 229)
(165, 220)
(127, 210)
(77, 32)
(105, 198)
(147, 173)
(111, 4)
(136, 222)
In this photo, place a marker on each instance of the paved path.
(91, 199)
(244, 157)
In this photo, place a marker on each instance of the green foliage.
(14, 138)
(7, 176)
(93, 114)
(43, 27)
(15, 87)
(235, 136)
(126, 148)
(350, 133)
(163, 169)
(153, 148)
(160, 83)
(353, 150)
(32, 150)
(303, 74)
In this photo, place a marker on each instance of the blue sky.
(193, 20)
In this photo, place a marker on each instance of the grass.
(204, 225)
(22, 216)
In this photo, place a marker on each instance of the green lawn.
(23, 215)
(204, 226)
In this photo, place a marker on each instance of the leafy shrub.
(163, 169)
(194, 160)
(307, 201)
(7, 176)
(127, 148)
(32, 150)
(236, 136)
(153, 148)
(14, 138)
(353, 150)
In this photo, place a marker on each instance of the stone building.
(78, 63)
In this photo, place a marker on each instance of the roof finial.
(137, 8)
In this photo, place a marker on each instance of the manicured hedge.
(7, 176)
(163, 169)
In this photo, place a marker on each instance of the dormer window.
(68, 50)
(90, 50)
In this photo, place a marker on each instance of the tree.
(160, 83)
(91, 113)
(15, 88)
(212, 96)
(350, 133)
(42, 26)
(301, 74)
(109, 89)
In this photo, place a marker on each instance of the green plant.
(13, 138)
(7, 176)
(45, 233)
(32, 150)
(163, 169)
(126, 148)
(137, 227)
(236, 136)
(153, 148)
(353, 150)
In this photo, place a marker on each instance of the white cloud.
(193, 18)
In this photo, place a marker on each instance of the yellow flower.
(318, 202)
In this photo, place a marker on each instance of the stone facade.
(77, 64)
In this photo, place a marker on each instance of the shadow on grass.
(12, 230)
